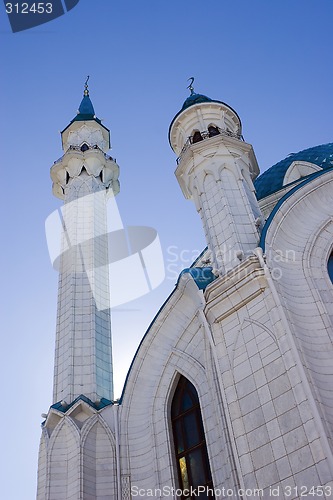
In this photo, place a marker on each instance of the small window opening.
(84, 147)
(330, 267)
(189, 439)
(197, 137)
(212, 130)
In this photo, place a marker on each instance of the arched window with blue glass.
(189, 440)
(330, 267)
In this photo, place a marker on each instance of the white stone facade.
(256, 344)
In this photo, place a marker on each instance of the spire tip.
(86, 90)
(190, 87)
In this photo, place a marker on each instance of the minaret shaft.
(223, 192)
(216, 169)
(77, 457)
(84, 178)
(83, 361)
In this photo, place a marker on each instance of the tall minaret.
(216, 168)
(77, 453)
(84, 178)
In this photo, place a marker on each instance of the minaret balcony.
(92, 159)
(207, 134)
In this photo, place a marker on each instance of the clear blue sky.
(270, 60)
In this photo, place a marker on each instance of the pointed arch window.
(197, 137)
(212, 130)
(330, 267)
(189, 439)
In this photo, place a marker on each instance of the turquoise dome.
(195, 99)
(271, 180)
(198, 99)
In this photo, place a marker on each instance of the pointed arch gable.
(98, 461)
(318, 250)
(299, 169)
(42, 466)
(72, 427)
(178, 365)
(64, 460)
(175, 315)
(239, 340)
(98, 418)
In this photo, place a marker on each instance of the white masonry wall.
(259, 416)
(298, 244)
(271, 411)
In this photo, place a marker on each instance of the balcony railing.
(207, 135)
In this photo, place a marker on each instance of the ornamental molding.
(234, 290)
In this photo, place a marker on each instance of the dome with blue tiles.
(195, 99)
(273, 179)
(213, 110)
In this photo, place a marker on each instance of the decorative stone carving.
(126, 487)
(86, 134)
(94, 161)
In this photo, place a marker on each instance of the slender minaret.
(77, 447)
(84, 178)
(216, 168)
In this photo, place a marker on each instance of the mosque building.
(230, 393)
